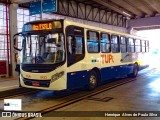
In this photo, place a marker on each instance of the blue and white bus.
(62, 54)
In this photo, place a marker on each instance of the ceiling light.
(126, 13)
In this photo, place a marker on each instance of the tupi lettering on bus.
(107, 58)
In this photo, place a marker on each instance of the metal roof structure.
(129, 8)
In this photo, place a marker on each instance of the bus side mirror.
(15, 42)
(17, 48)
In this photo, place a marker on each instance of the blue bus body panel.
(77, 79)
(80, 78)
(115, 72)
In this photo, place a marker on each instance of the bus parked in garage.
(62, 54)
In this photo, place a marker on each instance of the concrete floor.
(7, 84)
(142, 94)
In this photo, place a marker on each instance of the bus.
(62, 54)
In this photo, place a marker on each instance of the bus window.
(75, 45)
(93, 42)
(137, 46)
(143, 45)
(105, 43)
(123, 44)
(79, 45)
(44, 49)
(147, 46)
(75, 49)
(130, 45)
(114, 44)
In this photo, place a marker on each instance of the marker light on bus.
(57, 24)
(56, 76)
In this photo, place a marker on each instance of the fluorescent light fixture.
(126, 13)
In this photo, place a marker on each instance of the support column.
(13, 30)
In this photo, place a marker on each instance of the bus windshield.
(43, 48)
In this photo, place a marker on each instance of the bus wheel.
(92, 80)
(135, 71)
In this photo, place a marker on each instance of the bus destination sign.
(42, 26)
(38, 26)
(53, 25)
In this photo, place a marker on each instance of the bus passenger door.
(75, 57)
(71, 50)
(75, 49)
(75, 44)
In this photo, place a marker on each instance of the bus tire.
(135, 71)
(93, 79)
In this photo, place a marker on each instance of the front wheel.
(92, 80)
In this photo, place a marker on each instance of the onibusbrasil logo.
(13, 104)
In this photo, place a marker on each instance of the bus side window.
(79, 45)
(143, 44)
(137, 46)
(114, 44)
(93, 41)
(123, 44)
(105, 43)
(130, 45)
(147, 46)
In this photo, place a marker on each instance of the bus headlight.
(57, 76)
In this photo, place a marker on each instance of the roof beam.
(142, 5)
(154, 4)
(114, 7)
(129, 7)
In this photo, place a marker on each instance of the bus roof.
(103, 29)
(41, 21)
(70, 22)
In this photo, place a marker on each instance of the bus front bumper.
(59, 84)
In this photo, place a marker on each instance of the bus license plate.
(35, 84)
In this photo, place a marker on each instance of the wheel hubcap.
(93, 80)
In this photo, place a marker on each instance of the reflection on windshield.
(43, 49)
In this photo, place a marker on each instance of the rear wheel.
(135, 71)
(93, 78)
